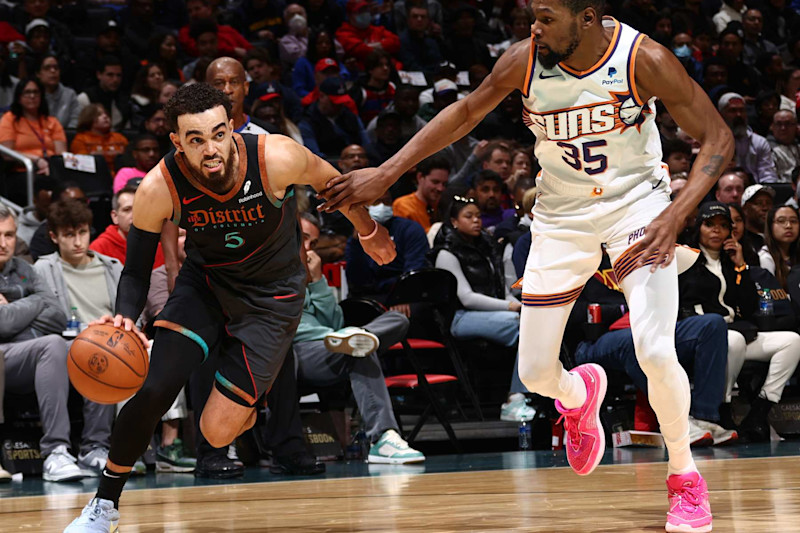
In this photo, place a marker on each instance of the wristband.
(374, 232)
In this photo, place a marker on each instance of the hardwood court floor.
(754, 495)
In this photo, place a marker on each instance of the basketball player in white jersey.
(589, 85)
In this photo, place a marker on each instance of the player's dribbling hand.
(380, 247)
(659, 240)
(121, 322)
(354, 189)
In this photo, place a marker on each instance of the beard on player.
(549, 57)
(215, 171)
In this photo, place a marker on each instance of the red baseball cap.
(335, 89)
(353, 6)
(326, 63)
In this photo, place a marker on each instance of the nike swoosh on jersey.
(187, 201)
(657, 184)
(543, 77)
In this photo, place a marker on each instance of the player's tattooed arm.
(714, 166)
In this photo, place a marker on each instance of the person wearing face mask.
(365, 278)
(294, 44)
(360, 37)
(753, 152)
(681, 47)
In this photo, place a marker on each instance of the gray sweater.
(32, 309)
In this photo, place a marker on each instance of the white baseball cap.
(755, 189)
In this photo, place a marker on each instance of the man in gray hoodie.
(86, 281)
(35, 355)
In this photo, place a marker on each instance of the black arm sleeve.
(135, 280)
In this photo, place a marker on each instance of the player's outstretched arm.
(289, 163)
(362, 187)
(658, 73)
(152, 205)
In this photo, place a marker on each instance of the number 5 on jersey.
(572, 157)
(233, 240)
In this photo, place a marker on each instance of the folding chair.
(360, 311)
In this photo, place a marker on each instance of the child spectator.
(95, 136)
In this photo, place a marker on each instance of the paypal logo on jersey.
(613, 81)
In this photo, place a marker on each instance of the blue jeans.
(500, 327)
(699, 340)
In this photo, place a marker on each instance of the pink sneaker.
(585, 439)
(689, 510)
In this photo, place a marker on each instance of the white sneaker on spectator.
(392, 449)
(698, 436)
(516, 409)
(60, 465)
(5, 476)
(718, 433)
(352, 341)
(99, 516)
(93, 462)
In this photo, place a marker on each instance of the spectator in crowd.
(701, 343)
(365, 278)
(742, 78)
(780, 251)
(359, 37)
(44, 188)
(269, 110)
(406, 104)
(155, 123)
(7, 81)
(488, 193)
(324, 69)
(320, 46)
(749, 252)
(464, 46)
(146, 90)
(62, 102)
(667, 127)
(325, 14)
(785, 146)
(790, 90)
(31, 321)
(139, 26)
(730, 188)
(755, 45)
(162, 49)
(327, 354)
(729, 11)
(145, 152)
(61, 36)
(720, 282)
(77, 276)
(715, 75)
(486, 309)
(294, 44)
(387, 138)
(95, 137)
(522, 165)
(418, 51)
(521, 20)
(108, 42)
(681, 47)
(445, 92)
(329, 126)
(108, 92)
(29, 129)
(512, 228)
(228, 75)
(753, 152)
(771, 67)
(263, 20)
(376, 91)
(506, 122)
(488, 155)
(435, 14)
(113, 242)
(229, 41)
(422, 205)
(167, 91)
(767, 104)
(204, 32)
(677, 155)
(757, 201)
(41, 243)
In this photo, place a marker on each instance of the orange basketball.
(107, 364)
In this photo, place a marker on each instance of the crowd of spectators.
(353, 81)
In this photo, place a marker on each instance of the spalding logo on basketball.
(98, 363)
(107, 364)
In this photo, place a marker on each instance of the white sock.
(572, 390)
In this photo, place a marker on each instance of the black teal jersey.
(247, 235)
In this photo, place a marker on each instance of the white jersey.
(592, 129)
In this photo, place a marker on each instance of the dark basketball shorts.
(251, 326)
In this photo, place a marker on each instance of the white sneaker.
(516, 409)
(392, 449)
(352, 341)
(93, 462)
(99, 516)
(718, 433)
(698, 436)
(60, 465)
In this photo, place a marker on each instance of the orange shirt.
(412, 208)
(31, 138)
(109, 146)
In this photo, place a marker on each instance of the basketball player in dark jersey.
(241, 289)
